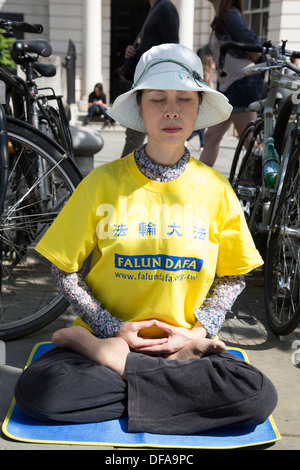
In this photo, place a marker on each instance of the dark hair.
(100, 90)
(139, 94)
(223, 12)
(99, 86)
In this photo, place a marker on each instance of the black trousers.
(159, 396)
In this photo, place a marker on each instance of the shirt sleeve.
(238, 28)
(223, 293)
(81, 299)
(70, 239)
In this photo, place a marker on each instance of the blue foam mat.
(19, 427)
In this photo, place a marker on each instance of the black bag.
(126, 69)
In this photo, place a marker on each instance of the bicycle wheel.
(246, 178)
(243, 143)
(281, 126)
(246, 164)
(40, 182)
(282, 270)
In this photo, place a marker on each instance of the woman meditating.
(170, 247)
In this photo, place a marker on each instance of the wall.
(65, 22)
(106, 45)
(284, 22)
(203, 16)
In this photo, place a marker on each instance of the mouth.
(172, 129)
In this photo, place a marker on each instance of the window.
(257, 14)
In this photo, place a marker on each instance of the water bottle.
(271, 164)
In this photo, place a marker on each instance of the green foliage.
(5, 60)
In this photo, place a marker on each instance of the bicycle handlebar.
(224, 47)
(240, 45)
(22, 26)
(263, 49)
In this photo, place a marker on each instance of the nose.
(171, 111)
(171, 115)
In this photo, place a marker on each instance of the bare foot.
(198, 348)
(108, 352)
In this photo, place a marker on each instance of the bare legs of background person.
(214, 135)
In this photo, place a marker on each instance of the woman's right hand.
(129, 331)
(130, 51)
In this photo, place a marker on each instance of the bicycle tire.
(246, 179)
(29, 297)
(282, 268)
(281, 126)
(240, 169)
(238, 154)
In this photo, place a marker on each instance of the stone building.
(101, 29)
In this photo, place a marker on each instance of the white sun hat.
(170, 67)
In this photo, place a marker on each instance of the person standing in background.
(229, 25)
(161, 26)
(208, 72)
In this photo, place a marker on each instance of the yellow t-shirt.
(156, 246)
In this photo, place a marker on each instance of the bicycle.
(37, 177)
(273, 214)
(32, 104)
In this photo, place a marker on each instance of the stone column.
(185, 10)
(92, 44)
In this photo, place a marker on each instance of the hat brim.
(213, 109)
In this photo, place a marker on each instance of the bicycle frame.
(272, 214)
(4, 172)
(4, 158)
(61, 111)
(266, 195)
(28, 103)
(37, 176)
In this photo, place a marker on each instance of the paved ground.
(245, 327)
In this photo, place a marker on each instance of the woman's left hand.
(178, 337)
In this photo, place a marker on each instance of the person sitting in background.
(97, 106)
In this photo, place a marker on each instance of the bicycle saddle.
(258, 105)
(46, 70)
(21, 48)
